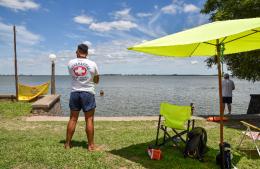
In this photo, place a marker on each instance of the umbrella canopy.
(237, 35)
(234, 35)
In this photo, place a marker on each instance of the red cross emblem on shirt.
(80, 71)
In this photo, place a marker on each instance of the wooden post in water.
(15, 65)
(52, 58)
(53, 77)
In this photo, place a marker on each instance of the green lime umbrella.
(232, 36)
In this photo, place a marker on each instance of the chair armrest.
(250, 125)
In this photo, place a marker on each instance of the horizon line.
(117, 74)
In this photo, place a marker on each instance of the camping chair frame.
(190, 125)
(249, 126)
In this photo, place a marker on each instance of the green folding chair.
(176, 118)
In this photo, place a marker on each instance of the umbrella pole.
(220, 103)
(220, 92)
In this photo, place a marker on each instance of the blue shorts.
(227, 100)
(82, 100)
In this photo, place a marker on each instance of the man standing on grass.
(227, 87)
(84, 73)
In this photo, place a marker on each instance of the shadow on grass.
(249, 153)
(75, 143)
(237, 125)
(172, 157)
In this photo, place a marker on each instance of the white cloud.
(123, 14)
(117, 53)
(114, 25)
(122, 23)
(154, 18)
(194, 62)
(101, 26)
(73, 36)
(28, 60)
(152, 30)
(196, 19)
(91, 52)
(141, 14)
(19, 4)
(83, 19)
(65, 54)
(87, 43)
(114, 54)
(114, 51)
(108, 55)
(169, 9)
(179, 7)
(24, 36)
(190, 8)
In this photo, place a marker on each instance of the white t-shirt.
(227, 87)
(82, 71)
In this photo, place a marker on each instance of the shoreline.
(123, 75)
(99, 118)
(255, 117)
(96, 118)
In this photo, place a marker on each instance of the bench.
(48, 104)
(254, 104)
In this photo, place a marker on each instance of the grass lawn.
(14, 109)
(40, 145)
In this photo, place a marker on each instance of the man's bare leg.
(229, 108)
(89, 118)
(71, 128)
(224, 107)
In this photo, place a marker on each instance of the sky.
(108, 27)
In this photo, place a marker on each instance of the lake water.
(142, 95)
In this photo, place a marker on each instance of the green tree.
(242, 65)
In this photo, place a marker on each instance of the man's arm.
(233, 86)
(96, 79)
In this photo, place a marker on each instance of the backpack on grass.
(227, 156)
(196, 145)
